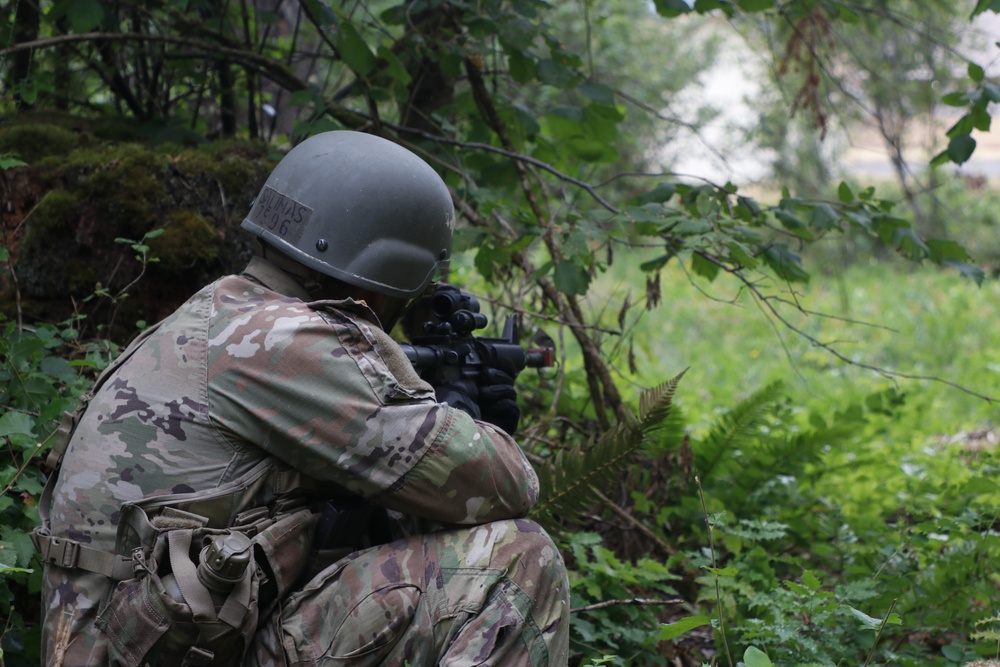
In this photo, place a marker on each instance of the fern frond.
(655, 404)
(566, 479)
(736, 428)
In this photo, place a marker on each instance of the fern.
(566, 479)
(739, 427)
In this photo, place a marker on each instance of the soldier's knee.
(532, 560)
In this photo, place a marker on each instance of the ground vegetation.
(772, 478)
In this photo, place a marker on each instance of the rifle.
(447, 352)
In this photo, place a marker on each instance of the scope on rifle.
(445, 350)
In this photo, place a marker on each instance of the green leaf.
(784, 262)
(976, 72)
(964, 125)
(723, 571)
(867, 622)
(941, 250)
(960, 148)
(673, 630)
(754, 657)
(9, 161)
(810, 580)
(741, 255)
(20, 542)
(394, 67)
(655, 264)
(793, 223)
(84, 15)
(754, 5)
(522, 68)
(304, 97)
(587, 149)
(847, 14)
(940, 159)
(824, 217)
(703, 267)
(980, 116)
(353, 50)
(967, 270)
(705, 6)
(555, 74)
(597, 92)
(955, 99)
(16, 423)
(870, 623)
(796, 587)
(481, 27)
(571, 278)
(671, 8)
(983, 5)
(844, 193)
(661, 193)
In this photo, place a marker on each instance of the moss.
(129, 192)
(36, 141)
(116, 128)
(187, 237)
(57, 213)
(82, 278)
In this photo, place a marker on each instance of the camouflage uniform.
(248, 371)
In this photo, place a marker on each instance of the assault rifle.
(445, 351)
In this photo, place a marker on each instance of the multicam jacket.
(245, 370)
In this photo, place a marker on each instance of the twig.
(631, 520)
(766, 302)
(637, 601)
(62, 638)
(879, 633)
(718, 589)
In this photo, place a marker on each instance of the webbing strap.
(186, 574)
(68, 423)
(234, 610)
(67, 553)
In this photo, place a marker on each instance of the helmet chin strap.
(310, 279)
(389, 310)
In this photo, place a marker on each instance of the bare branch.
(645, 602)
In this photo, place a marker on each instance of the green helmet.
(360, 209)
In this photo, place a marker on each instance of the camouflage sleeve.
(333, 397)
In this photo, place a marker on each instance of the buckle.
(139, 566)
(61, 552)
(197, 656)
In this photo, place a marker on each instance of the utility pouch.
(192, 602)
(196, 596)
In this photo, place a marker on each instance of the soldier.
(223, 494)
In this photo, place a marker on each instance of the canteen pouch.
(148, 621)
(166, 615)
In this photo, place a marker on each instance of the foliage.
(826, 513)
(41, 376)
(568, 479)
(617, 603)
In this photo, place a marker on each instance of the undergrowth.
(800, 514)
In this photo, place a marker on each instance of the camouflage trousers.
(495, 594)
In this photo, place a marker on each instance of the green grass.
(907, 502)
(921, 322)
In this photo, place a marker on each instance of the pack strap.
(59, 550)
(186, 574)
(69, 554)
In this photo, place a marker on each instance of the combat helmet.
(358, 208)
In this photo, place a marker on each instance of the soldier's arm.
(330, 396)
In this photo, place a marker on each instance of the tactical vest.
(191, 573)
